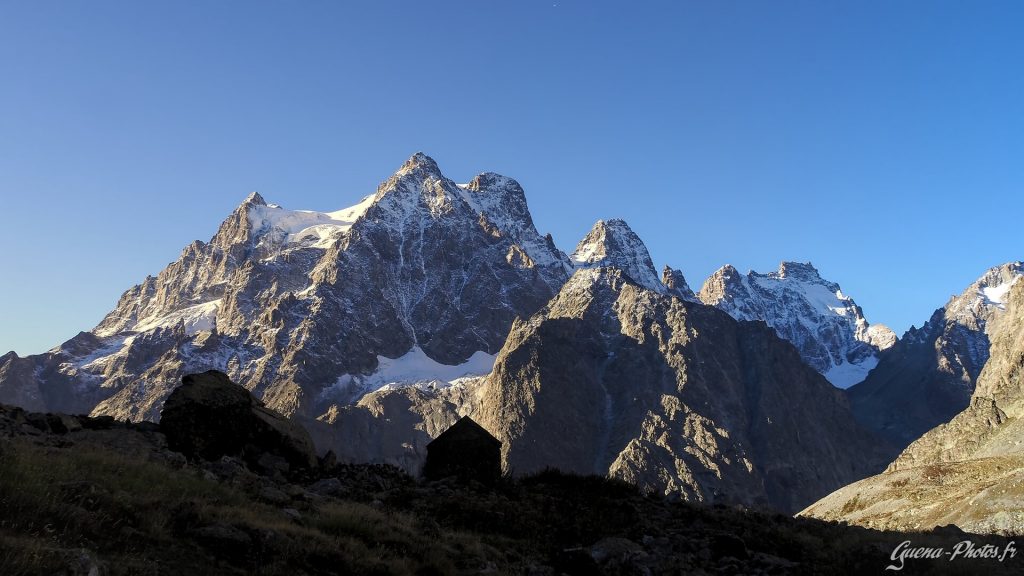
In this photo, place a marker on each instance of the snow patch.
(98, 358)
(317, 229)
(198, 318)
(414, 368)
(845, 375)
(996, 295)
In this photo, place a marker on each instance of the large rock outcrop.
(677, 397)
(209, 416)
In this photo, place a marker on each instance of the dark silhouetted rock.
(723, 545)
(467, 451)
(210, 416)
(224, 540)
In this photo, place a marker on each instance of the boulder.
(209, 416)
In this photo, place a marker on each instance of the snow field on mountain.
(415, 367)
(319, 228)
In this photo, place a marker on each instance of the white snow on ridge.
(996, 295)
(318, 228)
(591, 252)
(98, 358)
(814, 314)
(820, 297)
(198, 318)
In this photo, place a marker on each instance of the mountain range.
(379, 325)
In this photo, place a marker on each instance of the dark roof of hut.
(466, 428)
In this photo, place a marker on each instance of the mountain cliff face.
(969, 471)
(614, 378)
(613, 243)
(826, 326)
(304, 307)
(930, 374)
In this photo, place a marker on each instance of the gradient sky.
(882, 141)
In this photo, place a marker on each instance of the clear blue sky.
(883, 141)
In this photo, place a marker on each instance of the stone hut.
(466, 451)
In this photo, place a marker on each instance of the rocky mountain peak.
(418, 187)
(826, 326)
(986, 294)
(254, 199)
(613, 243)
(804, 271)
(966, 469)
(419, 161)
(726, 283)
(675, 282)
(499, 198)
(939, 362)
(310, 309)
(609, 378)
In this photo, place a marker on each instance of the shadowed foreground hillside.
(94, 496)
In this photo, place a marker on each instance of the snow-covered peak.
(498, 197)
(305, 227)
(417, 189)
(254, 199)
(613, 243)
(826, 326)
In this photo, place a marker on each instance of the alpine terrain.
(309, 309)
(930, 374)
(825, 325)
(969, 471)
(676, 397)
(379, 325)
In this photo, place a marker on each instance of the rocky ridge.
(969, 471)
(613, 378)
(930, 374)
(676, 397)
(825, 325)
